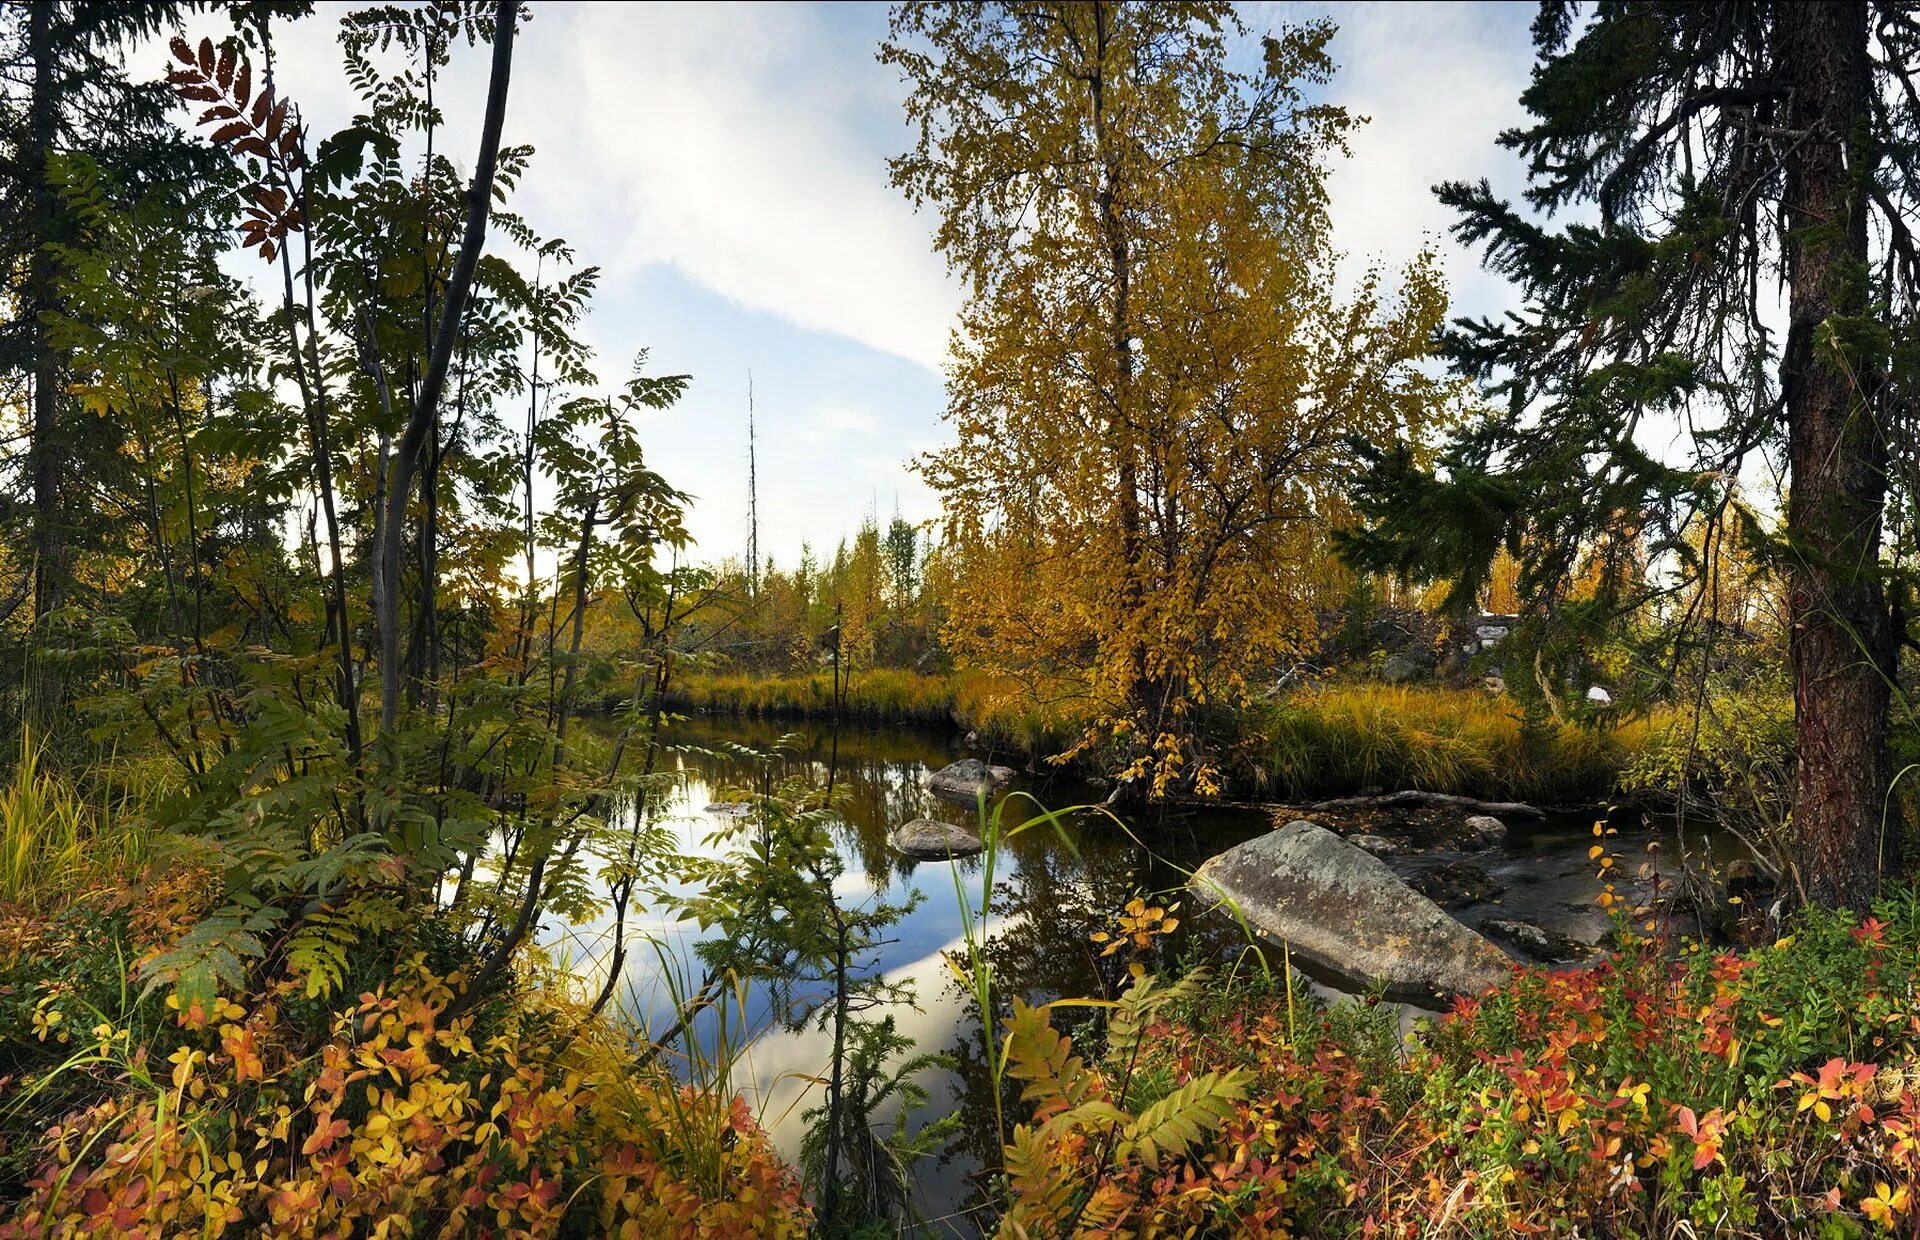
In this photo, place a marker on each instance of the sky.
(725, 166)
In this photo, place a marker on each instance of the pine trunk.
(1841, 645)
(50, 569)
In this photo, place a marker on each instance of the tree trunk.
(1141, 690)
(407, 453)
(1842, 644)
(51, 567)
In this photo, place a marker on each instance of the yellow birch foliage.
(1153, 388)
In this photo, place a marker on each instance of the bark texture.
(1842, 645)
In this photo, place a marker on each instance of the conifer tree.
(64, 90)
(1724, 170)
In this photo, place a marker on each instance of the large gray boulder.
(964, 781)
(927, 840)
(1342, 909)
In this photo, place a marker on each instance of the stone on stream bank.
(965, 781)
(927, 840)
(1342, 909)
(1536, 942)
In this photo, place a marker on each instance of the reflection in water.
(1052, 891)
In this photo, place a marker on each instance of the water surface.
(1052, 892)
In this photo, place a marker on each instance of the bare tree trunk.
(420, 420)
(1842, 643)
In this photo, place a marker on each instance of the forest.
(1338, 763)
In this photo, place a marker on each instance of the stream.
(1051, 893)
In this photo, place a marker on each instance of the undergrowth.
(378, 1113)
(1670, 1091)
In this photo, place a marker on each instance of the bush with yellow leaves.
(524, 1118)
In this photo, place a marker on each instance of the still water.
(1051, 894)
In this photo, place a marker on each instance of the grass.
(884, 695)
(52, 838)
(1335, 739)
(1464, 741)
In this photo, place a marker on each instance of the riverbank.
(998, 714)
(1343, 737)
(1664, 1086)
(1668, 1090)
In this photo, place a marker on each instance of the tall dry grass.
(1464, 741)
(882, 695)
(53, 838)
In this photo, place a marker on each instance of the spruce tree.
(65, 88)
(1701, 176)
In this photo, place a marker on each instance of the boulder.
(967, 780)
(1398, 670)
(731, 809)
(1341, 908)
(1535, 942)
(1483, 831)
(1599, 696)
(1380, 845)
(1456, 884)
(926, 839)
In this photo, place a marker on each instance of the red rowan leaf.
(261, 107)
(180, 49)
(276, 121)
(231, 130)
(223, 72)
(206, 57)
(243, 82)
(198, 94)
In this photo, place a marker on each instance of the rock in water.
(929, 840)
(1536, 942)
(964, 781)
(1341, 908)
(1380, 845)
(1484, 831)
(1456, 884)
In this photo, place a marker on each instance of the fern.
(318, 947)
(1173, 1125)
(1138, 1007)
(1042, 1056)
(1084, 1138)
(212, 956)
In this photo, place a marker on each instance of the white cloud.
(728, 142)
(1438, 83)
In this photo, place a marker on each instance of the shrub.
(1663, 1093)
(385, 1117)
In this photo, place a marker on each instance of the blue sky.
(725, 166)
